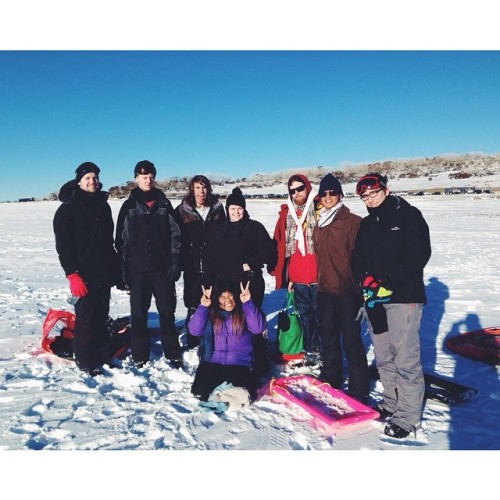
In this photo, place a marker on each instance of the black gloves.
(174, 270)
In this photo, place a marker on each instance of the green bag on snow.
(290, 336)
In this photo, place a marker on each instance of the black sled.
(441, 389)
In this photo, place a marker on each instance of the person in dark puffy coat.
(391, 251)
(148, 241)
(198, 214)
(83, 227)
(237, 251)
(228, 318)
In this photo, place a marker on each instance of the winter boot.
(393, 430)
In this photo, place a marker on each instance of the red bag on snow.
(57, 334)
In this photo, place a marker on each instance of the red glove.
(77, 285)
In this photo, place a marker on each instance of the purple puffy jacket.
(229, 348)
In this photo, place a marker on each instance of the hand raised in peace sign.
(205, 298)
(245, 294)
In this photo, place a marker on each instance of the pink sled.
(330, 407)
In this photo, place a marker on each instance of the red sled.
(57, 334)
(330, 408)
(481, 345)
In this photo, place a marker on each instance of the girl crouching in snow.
(227, 323)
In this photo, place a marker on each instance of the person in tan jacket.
(339, 297)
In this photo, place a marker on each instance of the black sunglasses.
(297, 189)
(328, 192)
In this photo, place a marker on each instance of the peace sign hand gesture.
(245, 294)
(205, 298)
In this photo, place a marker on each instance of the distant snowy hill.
(471, 170)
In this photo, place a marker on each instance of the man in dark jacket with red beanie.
(83, 228)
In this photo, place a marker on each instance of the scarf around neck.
(295, 226)
(326, 216)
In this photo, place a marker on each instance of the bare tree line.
(458, 166)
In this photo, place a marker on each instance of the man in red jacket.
(296, 268)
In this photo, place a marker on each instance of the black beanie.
(330, 183)
(222, 286)
(144, 167)
(84, 169)
(236, 198)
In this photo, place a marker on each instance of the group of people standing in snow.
(336, 263)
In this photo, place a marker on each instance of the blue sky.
(236, 112)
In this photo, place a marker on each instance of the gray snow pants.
(397, 353)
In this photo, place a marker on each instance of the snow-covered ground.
(47, 404)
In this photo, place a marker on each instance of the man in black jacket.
(148, 242)
(198, 215)
(391, 251)
(83, 228)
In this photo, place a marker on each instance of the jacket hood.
(68, 191)
(191, 210)
(304, 179)
(142, 196)
(392, 202)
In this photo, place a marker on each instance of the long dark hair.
(217, 315)
(210, 198)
